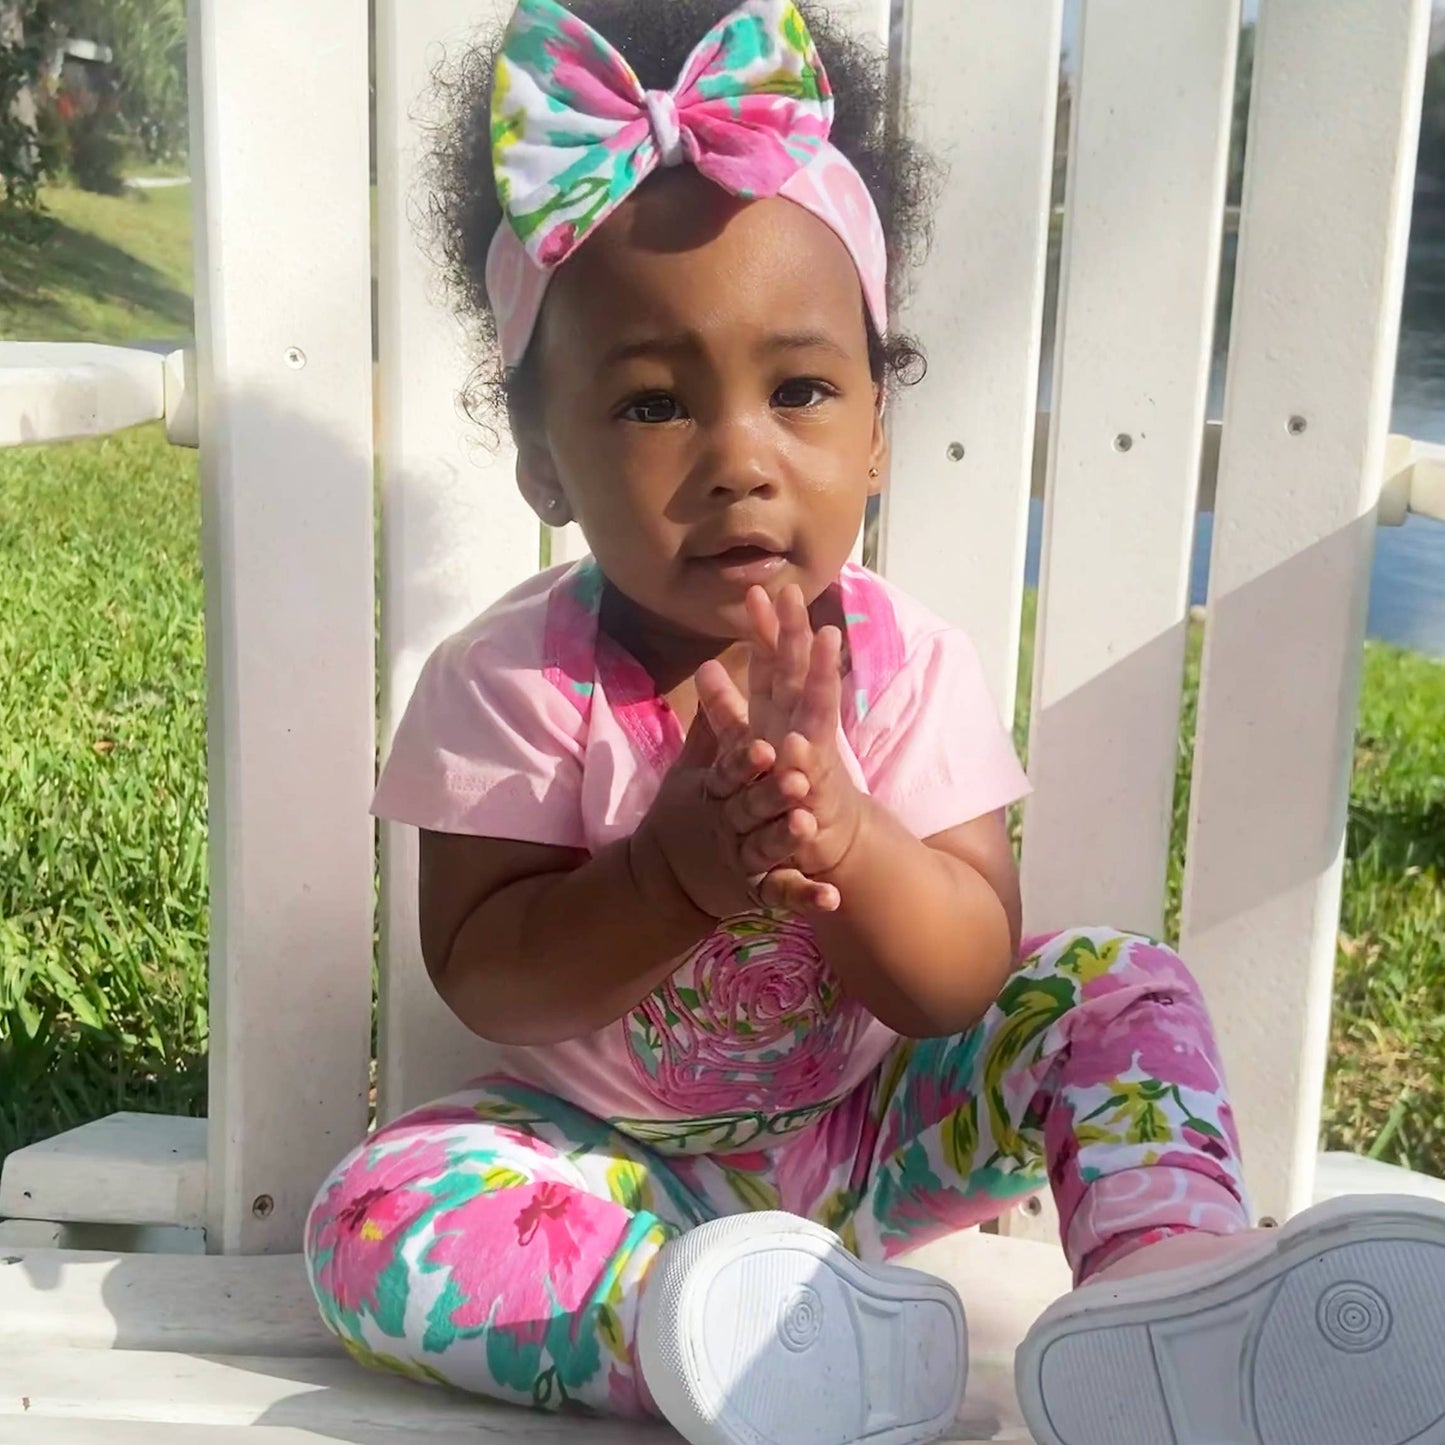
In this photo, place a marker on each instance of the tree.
(24, 26)
(148, 41)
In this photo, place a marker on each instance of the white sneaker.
(1330, 1331)
(763, 1330)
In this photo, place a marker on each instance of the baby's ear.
(537, 479)
(878, 456)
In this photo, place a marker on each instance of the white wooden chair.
(139, 1347)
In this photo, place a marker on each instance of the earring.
(873, 474)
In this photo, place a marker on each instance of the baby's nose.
(744, 482)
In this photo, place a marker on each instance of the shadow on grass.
(44, 1090)
(1399, 838)
(43, 271)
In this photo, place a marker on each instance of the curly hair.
(464, 211)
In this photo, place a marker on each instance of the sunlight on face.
(709, 410)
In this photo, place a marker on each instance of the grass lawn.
(102, 747)
(102, 784)
(114, 268)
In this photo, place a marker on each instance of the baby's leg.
(496, 1241)
(1096, 1070)
(1099, 1058)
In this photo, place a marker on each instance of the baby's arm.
(533, 944)
(929, 930)
(529, 944)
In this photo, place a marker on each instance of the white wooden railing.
(67, 391)
(1298, 470)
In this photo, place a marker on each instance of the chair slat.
(870, 18)
(980, 85)
(455, 533)
(284, 350)
(1332, 139)
(1136, 322)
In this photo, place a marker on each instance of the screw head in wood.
(956, 451)
(1123, 442)
(295, 358)
(1297, 426)
(263, 1206)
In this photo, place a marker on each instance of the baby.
(713, 848)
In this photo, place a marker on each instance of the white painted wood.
(125, 1169)
(108, 1238)
(1425, 486)
(67, 1430)
(183, 419)
(181, 1329)
(334, 1400)
(871, 18)
(1140, 269)
(980, 87)
(67, 1299)
(329, 1396)
(279, 131)
(1332, 142)
(57, 392)
(74, 1299)
(1338, 1174)
(31, 1234)
(455, 533)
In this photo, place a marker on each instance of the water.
(1407, 587)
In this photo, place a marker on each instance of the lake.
(1407, 592)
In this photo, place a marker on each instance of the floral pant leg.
(1097, 1070)
(495, 1241)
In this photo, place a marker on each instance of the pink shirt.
(527, 724)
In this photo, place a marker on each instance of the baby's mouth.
(744, 562)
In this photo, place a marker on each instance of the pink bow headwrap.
(574, 134)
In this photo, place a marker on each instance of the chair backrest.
(288, 418)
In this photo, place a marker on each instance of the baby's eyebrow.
(649, 346)
(803, 341)
(689, 343)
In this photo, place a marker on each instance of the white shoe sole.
(1330, 1332)
(763, 1330)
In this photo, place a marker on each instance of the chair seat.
(156, 1348)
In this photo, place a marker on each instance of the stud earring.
(873, 473)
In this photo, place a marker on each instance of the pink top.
(527, 724)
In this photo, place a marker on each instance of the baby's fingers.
(793, 892)
(739, 766)
(795, 648)
(762, 661)
(774, 843)
(722, 704)
(767, 798)
(822, 690)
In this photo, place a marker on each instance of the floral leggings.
(496, 1240)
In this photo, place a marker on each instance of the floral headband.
(574, 134)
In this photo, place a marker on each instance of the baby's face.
(709, 410)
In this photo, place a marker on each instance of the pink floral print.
(498, 1240)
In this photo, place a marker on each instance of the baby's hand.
(696, 837)
(806, 812)
(764, 811)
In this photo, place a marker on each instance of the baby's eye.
(654, 408)
(802, 392)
